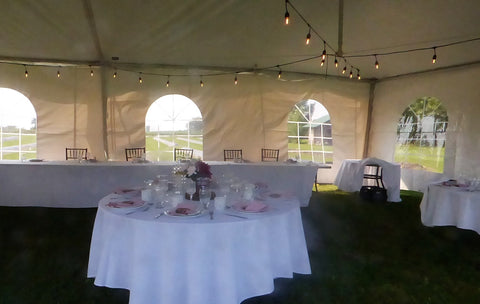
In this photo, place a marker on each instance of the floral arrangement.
(194, 170)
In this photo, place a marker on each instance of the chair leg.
(316, 187)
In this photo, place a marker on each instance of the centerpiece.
(199, 172)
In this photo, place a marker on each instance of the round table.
(197, 260)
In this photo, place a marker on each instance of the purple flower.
(203, 169)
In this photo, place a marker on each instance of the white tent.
(188, 41)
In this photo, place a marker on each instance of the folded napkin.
(126, 204)
(128, 191)
(253, 206)
(186, 208)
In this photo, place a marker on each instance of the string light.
(168, 82)
(434, 58)
(287, 15)
(324, 53)
(91, 71)
(201, 83)
(307, 41)
(58, 73)
(115, 74)
(140, 80)
(279, 72)
(376, 63)
(351, 74)
(236, 80)
(358, 74)
(322, 62)
(345, 67)
(26, 72)
(336, 61)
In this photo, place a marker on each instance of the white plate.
(125, 206)
(172, 212)
(240, 208)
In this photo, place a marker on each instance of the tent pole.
(104, 112)
(371, 97)
(340, 28)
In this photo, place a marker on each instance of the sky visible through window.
(15, 109)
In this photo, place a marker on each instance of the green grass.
(360, 252)
(429, 158)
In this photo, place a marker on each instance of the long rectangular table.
(73, 184)
(444, 205)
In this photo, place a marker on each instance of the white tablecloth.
(197, 260)
(72, 184)
(451, 206)
(350, 176)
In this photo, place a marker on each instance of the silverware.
(234, 215)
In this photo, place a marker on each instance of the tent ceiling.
(237, 35)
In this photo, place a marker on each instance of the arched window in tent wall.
(173, 121)
(310, 133)
(18, 126)
(421, 135)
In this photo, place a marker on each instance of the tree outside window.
(421, 135)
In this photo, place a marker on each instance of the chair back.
(134, 153)
(373, 172)
(270, 155)
(75, 153)
(182, 153)
(232, 154)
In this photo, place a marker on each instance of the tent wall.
(250, 115)
(458, 90)
(68, 108)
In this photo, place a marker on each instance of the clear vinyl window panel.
(173, 121)
(310, 133)
(18, 126)
(421, 135)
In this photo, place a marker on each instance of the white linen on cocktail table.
(197, 260)
(350, 176)
(451, 206)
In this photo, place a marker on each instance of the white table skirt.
(71, 184)
(451, 206)
(350, 176)
(197, 260)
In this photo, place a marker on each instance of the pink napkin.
(185, 208)
(128, 191)
(253, 206)
(126, 204)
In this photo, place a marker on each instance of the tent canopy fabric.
(243, 35)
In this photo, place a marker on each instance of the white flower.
(190, 170)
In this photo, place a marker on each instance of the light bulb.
(307, 41)
(26, 72)
(336, 62)
(279, 74)
(351, 74)
(115, 74)
(324, 53)
(91, 71)
(287, 15)
(236, 80)
(434, 58)
(358, 75)
(322, 62)
(58, 73)
(344, 70)
(168, 82)
(201, 83)
(376, 63)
